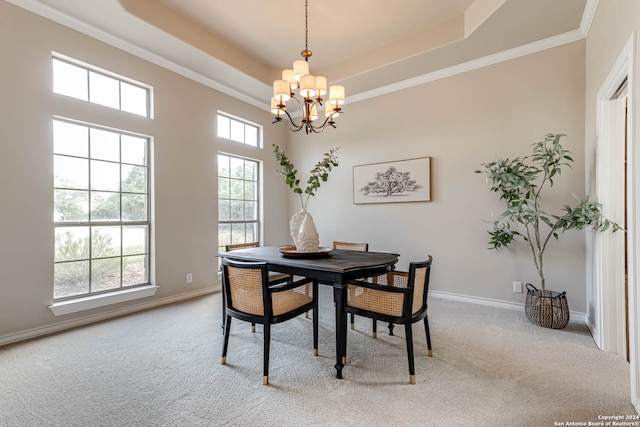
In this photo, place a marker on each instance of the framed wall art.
(391, 182)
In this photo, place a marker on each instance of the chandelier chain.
(306, 24)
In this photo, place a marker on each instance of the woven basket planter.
(548, 309)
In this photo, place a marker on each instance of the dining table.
(330, 267)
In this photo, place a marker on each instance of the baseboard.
(574, 316)
(69, 324)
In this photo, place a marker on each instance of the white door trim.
(603, 301)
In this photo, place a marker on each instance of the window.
(238, 130)
(101, 209)
(238, 202)
(100, 87)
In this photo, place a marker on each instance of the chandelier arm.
(324, 126)
(302, 105)
(326, 122)
(292, 127)
(318, 129)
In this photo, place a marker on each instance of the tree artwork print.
(391, 182)
(398, 181)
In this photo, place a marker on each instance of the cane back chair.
(274, 276)
(250, 297)
(398, 297)
(349, 246)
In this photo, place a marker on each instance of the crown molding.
(588, 16)
(108, 38)
(474, 64)
(548, 43)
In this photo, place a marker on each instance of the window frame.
(228, 136)
(258, 202)
(89, 69)
(121, 223)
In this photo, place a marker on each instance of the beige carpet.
(162, 367)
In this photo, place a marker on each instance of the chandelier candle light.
(310, 88)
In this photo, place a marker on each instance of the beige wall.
(460, 122)
(184, 161)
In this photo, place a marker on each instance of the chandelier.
(311, 89)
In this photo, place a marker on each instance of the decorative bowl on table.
(292, 252)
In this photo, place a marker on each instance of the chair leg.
(315, 318)
(253, 326)
(224, 311)
(353, 321)
(227, 328)
(426, 328)
(412, 372)
(306, 291)
(375, 329)
(267, 339)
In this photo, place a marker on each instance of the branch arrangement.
(319, 173)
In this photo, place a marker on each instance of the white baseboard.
(61, 326)
(574, 316)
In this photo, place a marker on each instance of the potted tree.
(519, 183)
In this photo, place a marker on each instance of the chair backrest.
(418, 279)
(241, 246)
(346, 246)
(244, 284)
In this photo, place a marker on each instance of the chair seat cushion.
(389, 303)
(289, 300)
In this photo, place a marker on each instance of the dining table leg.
(340, 293)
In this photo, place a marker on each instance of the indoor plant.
(520, 182)
(302, 228)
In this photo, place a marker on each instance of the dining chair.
(399, 298)
(348, 246)
(274, 276)
(250, 297)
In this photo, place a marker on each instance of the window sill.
(96, 301)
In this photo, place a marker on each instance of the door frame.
(603, 256)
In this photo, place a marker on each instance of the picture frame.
(399, 181)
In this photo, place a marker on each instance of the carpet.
(161, 367)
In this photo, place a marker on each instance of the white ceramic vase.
(304, 233)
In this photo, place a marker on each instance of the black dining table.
(333, 268)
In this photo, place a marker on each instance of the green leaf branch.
(319, 173)
(519, 182)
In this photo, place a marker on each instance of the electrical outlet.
(189, 278)
(517, 287)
